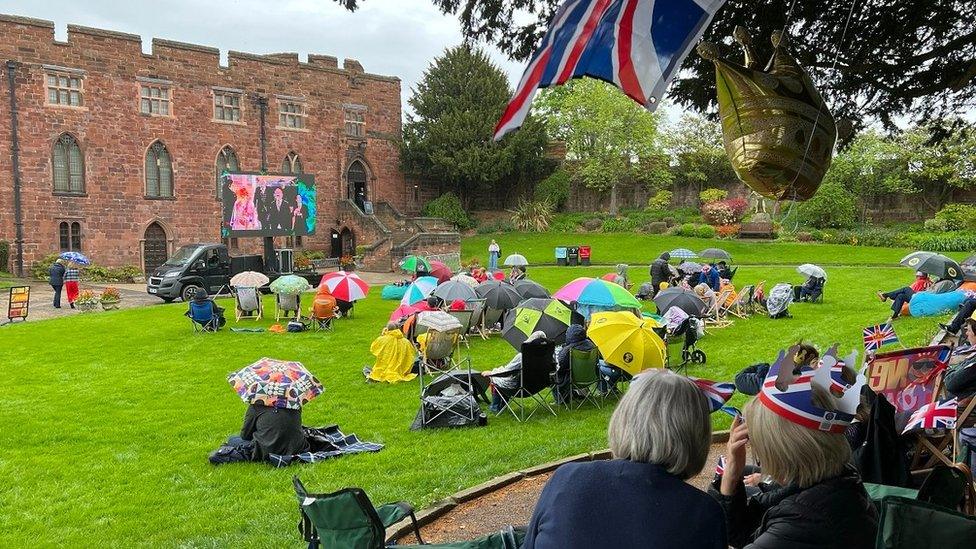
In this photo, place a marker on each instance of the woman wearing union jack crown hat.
(796, 429)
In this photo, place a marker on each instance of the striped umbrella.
(537, 314)
(290, 285)
(419, 290)
(682, 253)
(414, 263)
(249, 279)
(345, 286)
(627, 342)
(597, 293)
(75, 257)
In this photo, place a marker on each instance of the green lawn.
(109, 417)
(640, 249)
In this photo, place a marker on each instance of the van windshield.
(182, 256)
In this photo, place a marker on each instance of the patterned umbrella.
(438, 321)
(690, 267)
(290, 285)
(547, 315)
(682, 253)
(934, 264)
(516, 260)
(419, 290)
(345, 286)
(498, 295)
(529, 289)
(715, 253)
(467, 279)
(75, 257)
(414, 263)
(452, 289)
(597, 293)
(627, 342)
(275, 383)
(440, 271)
(249, 279)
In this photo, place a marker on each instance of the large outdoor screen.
(267, 205)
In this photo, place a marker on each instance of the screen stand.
(270, 258)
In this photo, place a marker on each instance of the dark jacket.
(834, 514)
(660, 271)
(274, 431)
(879, 453)
(57, 274)
(751, 378)
(624, 504)
(712, 278)
(960, 380)
(575, 339)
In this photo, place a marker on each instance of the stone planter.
(87, 307)
(110, 305)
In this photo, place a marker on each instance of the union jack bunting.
(636, 45)
(718, 393)
(876, 336)
(720, 467)
(940, 414)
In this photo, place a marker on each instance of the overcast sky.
(390, 37)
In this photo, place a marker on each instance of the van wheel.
(188, 292)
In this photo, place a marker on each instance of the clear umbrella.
(516, 260)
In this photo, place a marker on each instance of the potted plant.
(87, 301)
(110, 298)
(347, 263)
(303, 263)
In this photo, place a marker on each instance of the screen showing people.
(268, 205)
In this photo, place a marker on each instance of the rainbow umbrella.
(626, 341)
(593, 292)
(275, 383)
(414, 263)
(419, 290)
(345, 286)
(537, 314)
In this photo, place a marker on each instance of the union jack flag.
(876, 336)
(939, 414)
(718, 393)
(720, 467)
(636, 45)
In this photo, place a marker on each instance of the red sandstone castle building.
(117, 153)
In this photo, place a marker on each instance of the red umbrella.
(404, 311)
(498, 275)
(345, 286)
(440, 271)
(609, 277)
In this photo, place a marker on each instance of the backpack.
(296, 326)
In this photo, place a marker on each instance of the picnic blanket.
(325, 443)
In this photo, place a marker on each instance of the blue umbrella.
(419, 290)
(75, 257)
(683, 253)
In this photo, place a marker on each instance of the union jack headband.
(789, 394)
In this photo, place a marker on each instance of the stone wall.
(114, 210)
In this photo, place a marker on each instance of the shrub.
(804, 237)
(936, 225)
(497, 226)
(660, 202)
(957, 216)
(656, 227)
(712, 195)
(694, 230)
(593, 224)
(670, 221)
(4, 255)
(832, 207)
(727, 232)
(40, 268)
(718, 213)
(95, 273)
(110, 295)
(313, 255)
(554, 189)
(448, 207)
(619, 225)
(739, 207)
(532, 215)
(954, 241)
(705, 231)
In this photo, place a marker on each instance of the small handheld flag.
(636, 45)
(876, 336)
(720, 466)
(718, 393)
(939, 414)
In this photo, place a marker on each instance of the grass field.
(109, 417)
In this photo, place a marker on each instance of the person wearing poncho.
(394, 357)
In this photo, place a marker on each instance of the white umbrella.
(249, 279)
(516, 260)
(810, 269)
(467, 279)
(439, 321)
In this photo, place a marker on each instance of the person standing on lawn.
(660, 272)
(56, 274)
(71, 279)
(494, 250)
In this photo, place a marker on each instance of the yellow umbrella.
(626, 341)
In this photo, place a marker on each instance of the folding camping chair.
(488, 321)
(348, 519)
(584, 377)
(465, 317)
(534, 377)
(286, 303)
(437, 352)
(437, 357)
(477, 307)
(715, 316)
(203, 317)
(247, 304)
(950, 486)
(323, 319)
(905, 523)
(742, 304)
(758, 296)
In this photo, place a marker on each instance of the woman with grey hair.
(659, 437)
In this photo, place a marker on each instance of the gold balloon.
(768, 117)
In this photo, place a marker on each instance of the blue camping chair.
(203, 316)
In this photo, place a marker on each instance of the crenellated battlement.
(94, 44)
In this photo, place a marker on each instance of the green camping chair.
(950, 487)
(348, 519)
(584, 375)
(911, 524)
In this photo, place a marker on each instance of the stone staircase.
(393, 235)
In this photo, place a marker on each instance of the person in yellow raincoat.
(395, 356)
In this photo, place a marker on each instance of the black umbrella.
(529, 289)
(715, 253)
(933, 264)
(538, 314)
(686, 300)
(498, 295)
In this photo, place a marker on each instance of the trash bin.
(572, 256)
(584, 255)
(561, 256)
